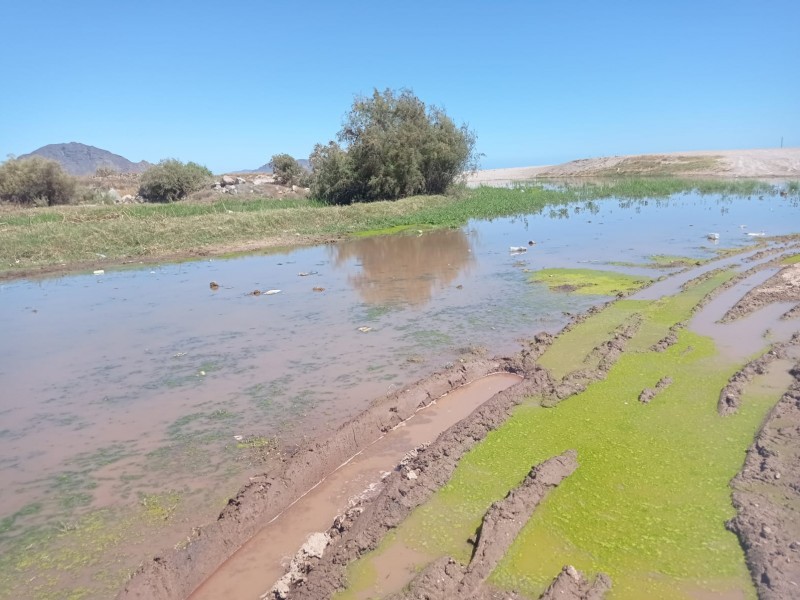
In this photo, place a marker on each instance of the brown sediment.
(792, 313)
(177, 572)
(766, 495)
(432, 467)
(648, 394)
(784, 286)
(604, 354)
(730, 396)
(505, 518)
(668, 340)
(571, 584)
(444, 578)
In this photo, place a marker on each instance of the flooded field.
(135, 402)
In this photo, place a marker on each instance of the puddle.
(135, 382)
(743, 337)
(261, 562)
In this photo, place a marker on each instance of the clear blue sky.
(229, 84)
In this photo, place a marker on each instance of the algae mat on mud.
(648, 503)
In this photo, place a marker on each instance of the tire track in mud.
(177, 572)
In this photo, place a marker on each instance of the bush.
(286, 169)
(171, 180)
(392, 146)
(35, 180)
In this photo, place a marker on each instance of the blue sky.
(230, 84)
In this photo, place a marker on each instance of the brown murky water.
(134, 383)
(262, 561)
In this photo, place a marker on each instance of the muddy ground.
(766, 492)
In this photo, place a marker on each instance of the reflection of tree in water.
(405, 269)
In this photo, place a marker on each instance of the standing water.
(135, 402)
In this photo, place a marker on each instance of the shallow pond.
(126, 388)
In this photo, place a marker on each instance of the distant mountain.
(80, 159)
(303, 162)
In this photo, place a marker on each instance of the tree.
(171, 180)
(35, 180)
(392, 146)
(286, 169)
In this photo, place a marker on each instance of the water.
(133, 383)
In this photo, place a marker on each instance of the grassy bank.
(71, 237)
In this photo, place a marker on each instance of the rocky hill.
(303, 162)
(80, 159)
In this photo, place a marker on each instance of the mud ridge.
(606, 354)
(571, 584)
(177, 572)
(730, 396)
(766, 495)
(792, 313)
(432, 468)
(669, 340)
(648, 394)
(445, 578)
(784, 286)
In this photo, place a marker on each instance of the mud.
(648, 394)
(505, 518)
(730, 396)
(766, 495)
(433, 466)
(668, 340)
(571, 584)
(176, 573)
(784, 286)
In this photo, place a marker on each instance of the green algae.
(791, 260)
(589, 281)
(649, 501)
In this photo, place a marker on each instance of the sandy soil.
(780, 163)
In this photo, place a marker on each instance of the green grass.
(649, 500)
(589, 281)
(71, 235)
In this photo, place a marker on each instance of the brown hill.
(80, 159)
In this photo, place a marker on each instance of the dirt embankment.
(767, 499)
(780, 163)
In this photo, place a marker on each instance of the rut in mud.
(325, 575)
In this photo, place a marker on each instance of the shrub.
(35, 180)
(286, 169)
(171, 180)
(392, 146)
(105, 171)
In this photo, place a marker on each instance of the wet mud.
(784, 286)
(175, 574)
(766, 495)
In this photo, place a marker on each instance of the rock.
(230, 189)
(241, 180)
(295, 188)
(127, 199)
(263, 180)
(113, 195)
(411, 475)
(227, 180)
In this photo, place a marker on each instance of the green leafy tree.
(172, 180)
(35, 180)
(392, 145)
(286, 169)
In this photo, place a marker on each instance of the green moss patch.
(791, 260)
(589, 281)
(649, 500)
